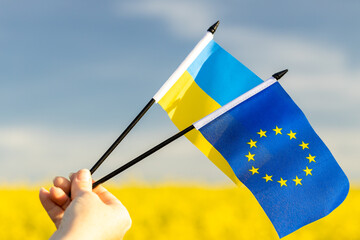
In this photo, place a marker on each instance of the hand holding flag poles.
(275, 76)
(167, 85)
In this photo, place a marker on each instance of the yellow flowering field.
(180, 212)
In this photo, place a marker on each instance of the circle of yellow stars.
(283, 182)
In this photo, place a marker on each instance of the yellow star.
(311, 158)
(277, 130)
(262, 133)
(308, 171)
(304, 145)
(282, 182)
(250, 157)
(297, 181)
(292, 135)
(254, 170)
(267, 178)
(252, 143)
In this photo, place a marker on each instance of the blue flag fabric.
(276, 154)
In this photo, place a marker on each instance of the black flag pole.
(280, 74)
(277, 76)
(212, 30)
(142, 156)
(123, 135)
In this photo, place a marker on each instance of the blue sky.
(73, 74)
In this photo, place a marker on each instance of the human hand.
(88, 214)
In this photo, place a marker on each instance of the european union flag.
(276, 154)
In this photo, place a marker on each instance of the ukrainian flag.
(211, 80)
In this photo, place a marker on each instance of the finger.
(62, 183)
(54, 211)
(81, 183)
(59, 197)
(105, 196)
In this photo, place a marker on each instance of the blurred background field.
(181, 212)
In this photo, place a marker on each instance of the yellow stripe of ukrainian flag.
(191, 104)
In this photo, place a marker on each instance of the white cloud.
(187, 18)
(182, 18)
(35, 154)
(38, 154)
(319, 78)
(313, 64)
(345, 148)
(30, 153)
(269, 47)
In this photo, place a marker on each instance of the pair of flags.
(254, 132)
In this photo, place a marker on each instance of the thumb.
(81, 183)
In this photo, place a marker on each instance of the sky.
(73, 74)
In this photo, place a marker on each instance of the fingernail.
(84, 175)
(55, 179)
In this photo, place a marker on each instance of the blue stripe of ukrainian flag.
(212, 80)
